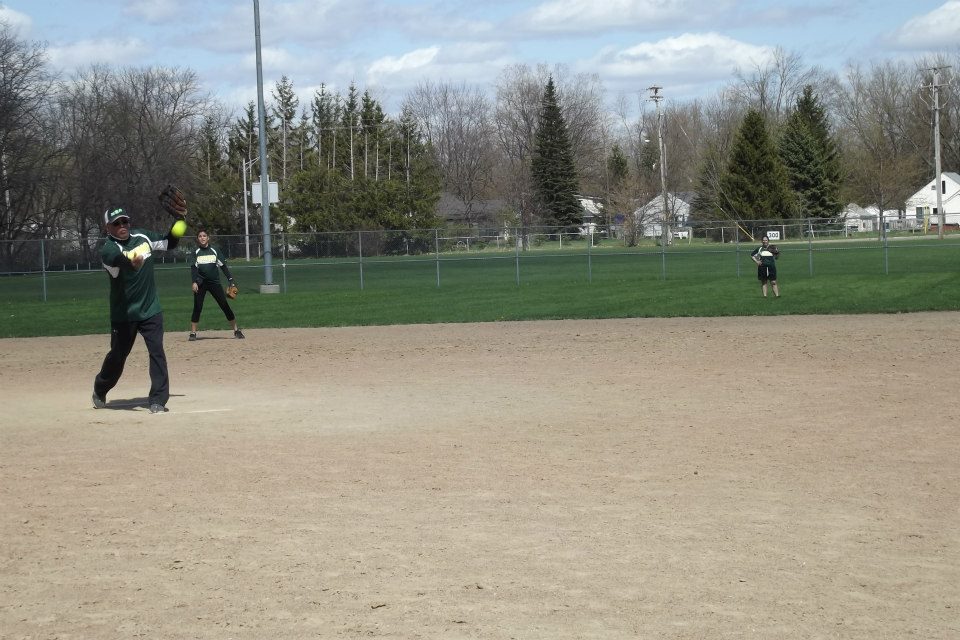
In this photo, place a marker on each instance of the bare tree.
(883, 163)
(456, 121)
(773, 87)
(130, 132)
(30, 160)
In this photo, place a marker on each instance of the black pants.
(122, 336)
(216, 290)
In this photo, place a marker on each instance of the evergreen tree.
(811, 158)
(403, 196)
(347, 139)
(617, 166)
(324, 122)
(304, 144)
(754, 186)
(243, 143)
(372, 119)
(805, 169)
(214, 197)
(285, 103)
(552, 168)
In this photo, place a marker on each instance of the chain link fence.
(64, 268)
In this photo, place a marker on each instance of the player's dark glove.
(173, 202)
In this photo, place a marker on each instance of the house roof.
(451, 208)
(923, 197)
(674, 197)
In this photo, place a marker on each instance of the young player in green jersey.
(127, 256)
(204, 265)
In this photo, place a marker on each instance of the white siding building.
(650, 215)
(923, 204)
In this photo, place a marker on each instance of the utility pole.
(938, 181)
(665, 217)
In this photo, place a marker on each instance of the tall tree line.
(69, 147)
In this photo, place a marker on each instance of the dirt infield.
(773, 477)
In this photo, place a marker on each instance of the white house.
(856, 218)
(650, 215)
(893, 219)
(922, 206)
(867, 219)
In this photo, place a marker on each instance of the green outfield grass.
(570, 282)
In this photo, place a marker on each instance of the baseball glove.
(173, 202)
(232, 291)
(775, 251)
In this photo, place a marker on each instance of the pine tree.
(243, 144)
(324, 122)
(754, 186)
(617, 167)
(811, 158)
(805, 168)
(372, 119)
(285, 110)
(552, 168)
(346, 149)
(214, 197)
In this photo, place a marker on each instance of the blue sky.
(689, 47)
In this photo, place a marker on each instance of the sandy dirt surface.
(774, 477)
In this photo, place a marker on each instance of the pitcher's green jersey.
(133, 292)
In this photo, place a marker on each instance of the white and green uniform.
(767, 269)
(204, 270)
(134, 309)
(133, 292)
(206, 265)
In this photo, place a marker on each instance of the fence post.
(886, 246)
(283, 259)
(516, 249)
(436, 246)
(360, 250)
(589, 256)
(43, 269)
(810, 245)
(736, 235)
(663, 256)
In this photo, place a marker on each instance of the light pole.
(268, 286)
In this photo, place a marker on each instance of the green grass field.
(570, 282)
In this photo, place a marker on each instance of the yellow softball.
(178, 229)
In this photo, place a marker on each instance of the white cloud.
(939, 28)
(154, 11)
(690, 56)
(392, 65)
(590, 15)
(473, 63)
(14, 18)
(115, 51)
